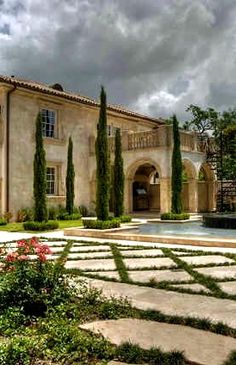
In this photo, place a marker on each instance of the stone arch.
(190, 168)
(206, 188)
(138, 179)
(189, 188)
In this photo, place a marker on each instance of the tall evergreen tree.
(118, 177)
(70, 177)
(40, 184)
(102, 157)
(176, 179)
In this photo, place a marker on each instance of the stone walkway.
(172, 303)
(151, 265)
(211, 349)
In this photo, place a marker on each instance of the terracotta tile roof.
(46, 89)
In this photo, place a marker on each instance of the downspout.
(8, 148)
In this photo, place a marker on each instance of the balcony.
(158, 138)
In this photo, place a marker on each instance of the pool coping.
(116, 234)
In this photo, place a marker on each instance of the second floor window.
(48, 123)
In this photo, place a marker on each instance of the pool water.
(184, 229)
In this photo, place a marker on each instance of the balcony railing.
(161, 137)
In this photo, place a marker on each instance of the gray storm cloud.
(154, 56)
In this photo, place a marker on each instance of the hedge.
(125, 218)
(174, 216)
(3, 221)
(40, 226)
(67, 216)
(220, 221)
(98, 224)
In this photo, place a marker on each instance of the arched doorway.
(144, 187)
(206, 189)
(189, 187)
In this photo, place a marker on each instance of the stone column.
(211, 195)
(193, 195)
(128, 196)
(165, 194)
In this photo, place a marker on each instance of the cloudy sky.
(153, 56)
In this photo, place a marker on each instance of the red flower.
(21, 243)
(12, 257)
(23, 258)
(42, 257)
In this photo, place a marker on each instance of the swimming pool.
(195, 229)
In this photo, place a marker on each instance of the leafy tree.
(176, 178)
(222, 126)
(202, 120)
(40, 184)
(102, 158)
(118, 177)
(70, 177)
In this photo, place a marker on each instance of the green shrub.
(3, 221)
(174, 216)
(32, 286)
(53, 213)
(98, 224)
(7, 216)
(67, 216)
(132, 353)
(83, 210)
(125, 218)
(220, 221)
(40, 226)
(25, 214)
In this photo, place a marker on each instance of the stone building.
(147, 150)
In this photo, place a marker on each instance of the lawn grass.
(18, 226)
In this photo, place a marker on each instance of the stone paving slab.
(195, 287)
(102, 264)
(204, 260)
(56, 249)
(201, 347)
(108, 274)
(228, 287)
(55, 243)
(171, 303)
(89, 255)
(148, 262)
(182, 253)
(89, 248)
(145, 276)
(220, 272)
(153, 252)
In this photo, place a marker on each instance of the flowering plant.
(25, 248)
(29, 280)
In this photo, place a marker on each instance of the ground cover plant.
(41, 309)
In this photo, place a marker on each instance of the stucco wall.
(77, 120)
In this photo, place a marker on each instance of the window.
(51, 180)
(48, 123)
(111, 130)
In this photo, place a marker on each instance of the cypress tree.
(40, 184)
(118, 177)
(176, 179)
(70, 177)
(102, 157)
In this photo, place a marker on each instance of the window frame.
(46, 125)
(53, 181)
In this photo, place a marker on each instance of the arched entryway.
(143, 184)
(206, 189)
(189, 187)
